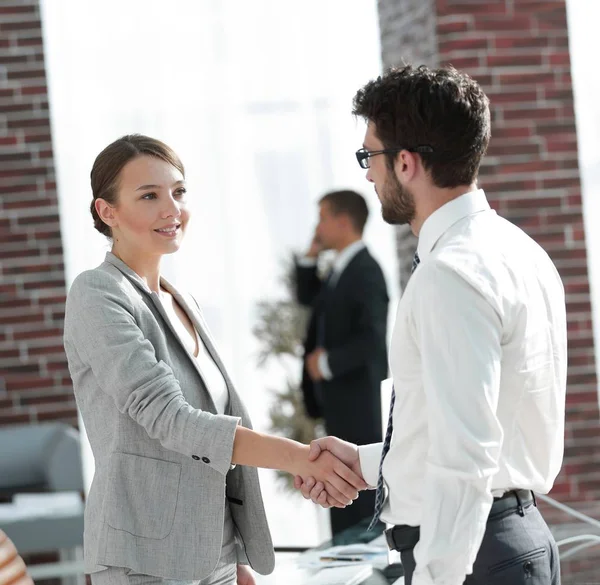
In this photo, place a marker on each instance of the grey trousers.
(516, 550)
(225, 573)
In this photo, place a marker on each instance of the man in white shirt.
(478, 353)
(345, 345)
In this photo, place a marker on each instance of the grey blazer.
(162, 454)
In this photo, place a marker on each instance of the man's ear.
(406, 165)
(106, 212)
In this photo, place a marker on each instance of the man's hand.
(340, 485)
(245, 576)
(315, 247)
(312, 364)
(314, 490)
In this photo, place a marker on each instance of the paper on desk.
(46, 505)
(363, 553)
(341, 576)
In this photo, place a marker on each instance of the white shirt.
(342, 260)
(211, 375)
(478, 358)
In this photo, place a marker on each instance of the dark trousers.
(517, 549)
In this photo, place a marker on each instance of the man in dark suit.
(345, 356)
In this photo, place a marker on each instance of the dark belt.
(404, 537)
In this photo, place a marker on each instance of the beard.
(397, 202)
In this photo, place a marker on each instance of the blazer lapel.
(195, 316)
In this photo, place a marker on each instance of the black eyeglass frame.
(363, 155)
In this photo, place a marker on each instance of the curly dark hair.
(441, 108)
(110, 162)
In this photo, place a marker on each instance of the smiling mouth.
(169, 231)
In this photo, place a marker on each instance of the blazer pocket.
(142, 495)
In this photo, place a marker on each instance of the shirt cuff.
(306, 261)
(324, 368)
(370, 456)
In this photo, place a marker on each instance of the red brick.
(19, 319)
(35, 122)
(23, 382)
(15, 75)
(13, 60)
(30, 41)
(529, 60)
(58, 414)
(28, 203)
(505, 132)
(46, 350)
(34, 90)
(464, 63)
(559, 59)
(508, 95)
(463, 45)
(49, 399)
(54, 333)
(470, 7)
(31, 9)
(526, 78)
(529, 114)
(520, 42)
(445, 26)
(14, 418)
(502, 24)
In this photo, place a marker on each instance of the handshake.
(330, 475)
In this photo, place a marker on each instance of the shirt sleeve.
(306, 261)
(459, 335)
(102, 331)
(324, 366)
(370, 456)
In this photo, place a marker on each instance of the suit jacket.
(162, 454)
(355, 319)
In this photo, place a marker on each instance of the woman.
(164, 421)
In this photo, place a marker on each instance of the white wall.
(583, 18)
(255, 97)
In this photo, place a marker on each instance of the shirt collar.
(346, 255)
(446, 216)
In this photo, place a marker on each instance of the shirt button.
(195, 457)
(206, 459)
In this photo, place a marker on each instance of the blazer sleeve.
(369, 309)
(308, 284)
(101, 328)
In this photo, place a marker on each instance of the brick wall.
(34, 381)
(518, 51)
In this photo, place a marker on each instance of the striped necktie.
(380, 493)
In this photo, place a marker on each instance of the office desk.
(288, 572)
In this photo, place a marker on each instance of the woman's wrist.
(296, 455)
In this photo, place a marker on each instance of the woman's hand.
(245, 576)
(12, 568)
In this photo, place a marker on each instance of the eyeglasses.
(363, 155)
